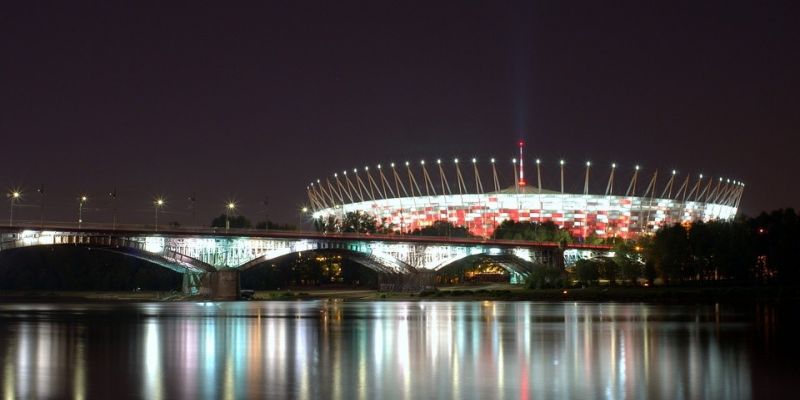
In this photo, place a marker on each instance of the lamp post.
(192, 200)
(40, 190)
(228, 210)
(113, 195)
(81, 201)
(157, 204)
(12, 198)
(303, 212)
(266, 214)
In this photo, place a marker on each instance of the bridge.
(211, 258)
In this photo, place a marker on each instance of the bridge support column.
(192, 282)
(558, 259)
(221, 285)
(414, 282)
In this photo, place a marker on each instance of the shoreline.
(655, 295)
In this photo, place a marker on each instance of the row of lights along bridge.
(15, 196)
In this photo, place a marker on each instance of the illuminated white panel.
(154, 244)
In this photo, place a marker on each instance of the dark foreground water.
(403, 350)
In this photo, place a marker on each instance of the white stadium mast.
(521, 164)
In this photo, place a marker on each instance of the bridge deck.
(136, 230)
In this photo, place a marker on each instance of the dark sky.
(245, 103)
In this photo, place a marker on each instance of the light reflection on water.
(368, 350)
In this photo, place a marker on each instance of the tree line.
(760, 250)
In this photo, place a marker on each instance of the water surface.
(391, 350)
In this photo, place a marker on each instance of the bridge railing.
(139, 229)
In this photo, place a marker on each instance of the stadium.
(409, 196)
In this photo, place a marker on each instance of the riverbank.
(64, 296)
(656, 295)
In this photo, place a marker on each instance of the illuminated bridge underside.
(210, 253)
(582, 215)
(128, 246)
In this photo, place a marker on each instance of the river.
(394, 350)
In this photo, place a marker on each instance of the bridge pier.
(414, 282)
(221, 285)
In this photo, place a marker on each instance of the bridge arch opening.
(484, 269)
(69, 267)
(329, 268)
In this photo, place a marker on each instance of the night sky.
(251, 103)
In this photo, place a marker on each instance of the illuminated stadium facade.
(406, 197)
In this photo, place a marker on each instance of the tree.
(608, 269)
(275, 226)
(587, 271)
(671, 253)
(236, 222)
(775, 238)
(701, 244)
(533, 231)
(442, 228)
(326, 224)
(544, 276)
(359, 222)
(627, 255)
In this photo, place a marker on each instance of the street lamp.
(81, 201)
(13, 196)
(157, 204)
(303, 213)
(229, 208)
